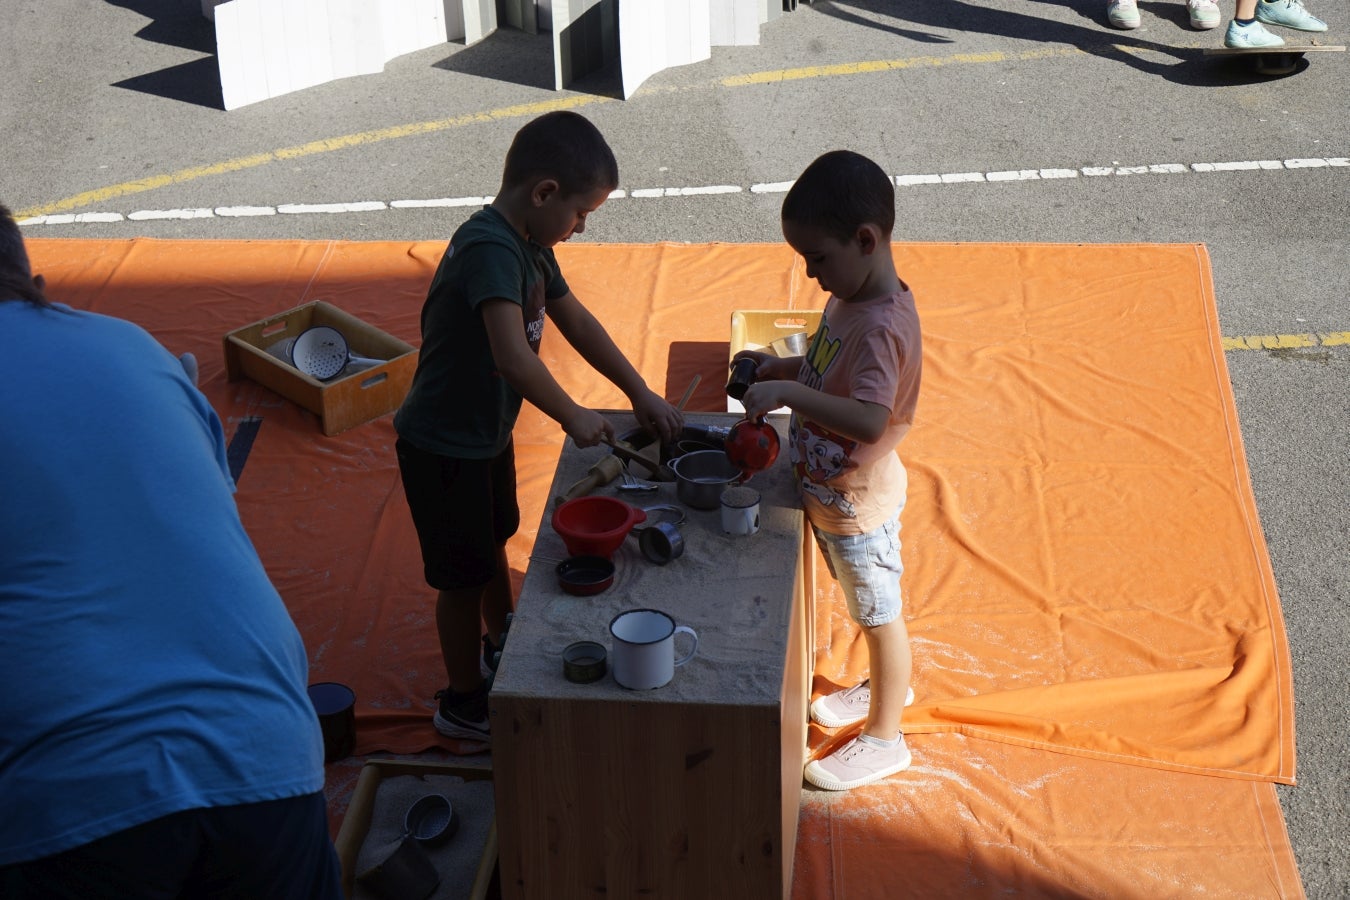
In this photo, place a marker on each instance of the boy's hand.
(657, 416)
(769, 367)
(763, 397)
(587, 427)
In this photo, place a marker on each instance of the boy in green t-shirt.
(481, 328)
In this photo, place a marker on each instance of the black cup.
(742, 376)
(335, 705)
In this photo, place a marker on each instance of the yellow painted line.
(313, 147)
(890, 65)
(1287, 341)
(140, 185)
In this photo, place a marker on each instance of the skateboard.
(1275, 60)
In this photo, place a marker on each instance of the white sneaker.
(1204, 14)
(847, 706)
(861, 761)
(1122, 14)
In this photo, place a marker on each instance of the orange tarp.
(1085, 570)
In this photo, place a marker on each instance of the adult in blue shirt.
(157, 739)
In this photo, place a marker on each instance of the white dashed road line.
(775, 187)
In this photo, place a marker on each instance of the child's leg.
(458, 626)
(498, 601)
(890, 663)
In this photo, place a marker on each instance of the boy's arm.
(585, 333)
(860, 420)
(524, 371)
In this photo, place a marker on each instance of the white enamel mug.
(740, 510)
(644, 648)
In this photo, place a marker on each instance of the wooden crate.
(340, 404)
(356, 823)
(756, 329)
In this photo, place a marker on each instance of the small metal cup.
(742, 376)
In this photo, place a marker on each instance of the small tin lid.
(584, 662)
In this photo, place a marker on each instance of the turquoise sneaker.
(1250, 37)
(1290, 14)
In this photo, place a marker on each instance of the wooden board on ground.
(1275, 60)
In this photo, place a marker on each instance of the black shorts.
(274, 850)
(463, 509)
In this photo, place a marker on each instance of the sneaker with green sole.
(1290, 14)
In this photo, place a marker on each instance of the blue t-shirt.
(147, 664)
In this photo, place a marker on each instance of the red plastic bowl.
(595, 526)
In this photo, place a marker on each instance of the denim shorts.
(868, 568)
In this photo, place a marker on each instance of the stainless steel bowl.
(701, 477)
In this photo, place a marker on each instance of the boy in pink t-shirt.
(852, 398)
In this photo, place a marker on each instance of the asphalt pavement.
(1004, 120)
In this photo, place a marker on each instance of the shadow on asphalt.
(943, 21)
(177, 25)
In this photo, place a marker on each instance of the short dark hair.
(839, 193)
(565, 146)
(16, 275)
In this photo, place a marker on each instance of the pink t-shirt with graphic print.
(872, 351)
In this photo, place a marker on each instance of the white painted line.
(768, 187)
(148, 214)
(687, 191)
(304, 208)
(240, 211)
(440, 202)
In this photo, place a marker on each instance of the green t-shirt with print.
(459, 404)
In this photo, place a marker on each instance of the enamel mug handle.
(690, 655)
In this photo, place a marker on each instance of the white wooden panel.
(316, 16)
(480, 20)
(454, 19)
(411, 25)
(355, 38)
(230, 55)
(301, 70)
(585, 37)
(735, 23)
(655, 35)
(274, 47)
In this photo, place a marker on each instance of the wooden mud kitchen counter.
(690, 790)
